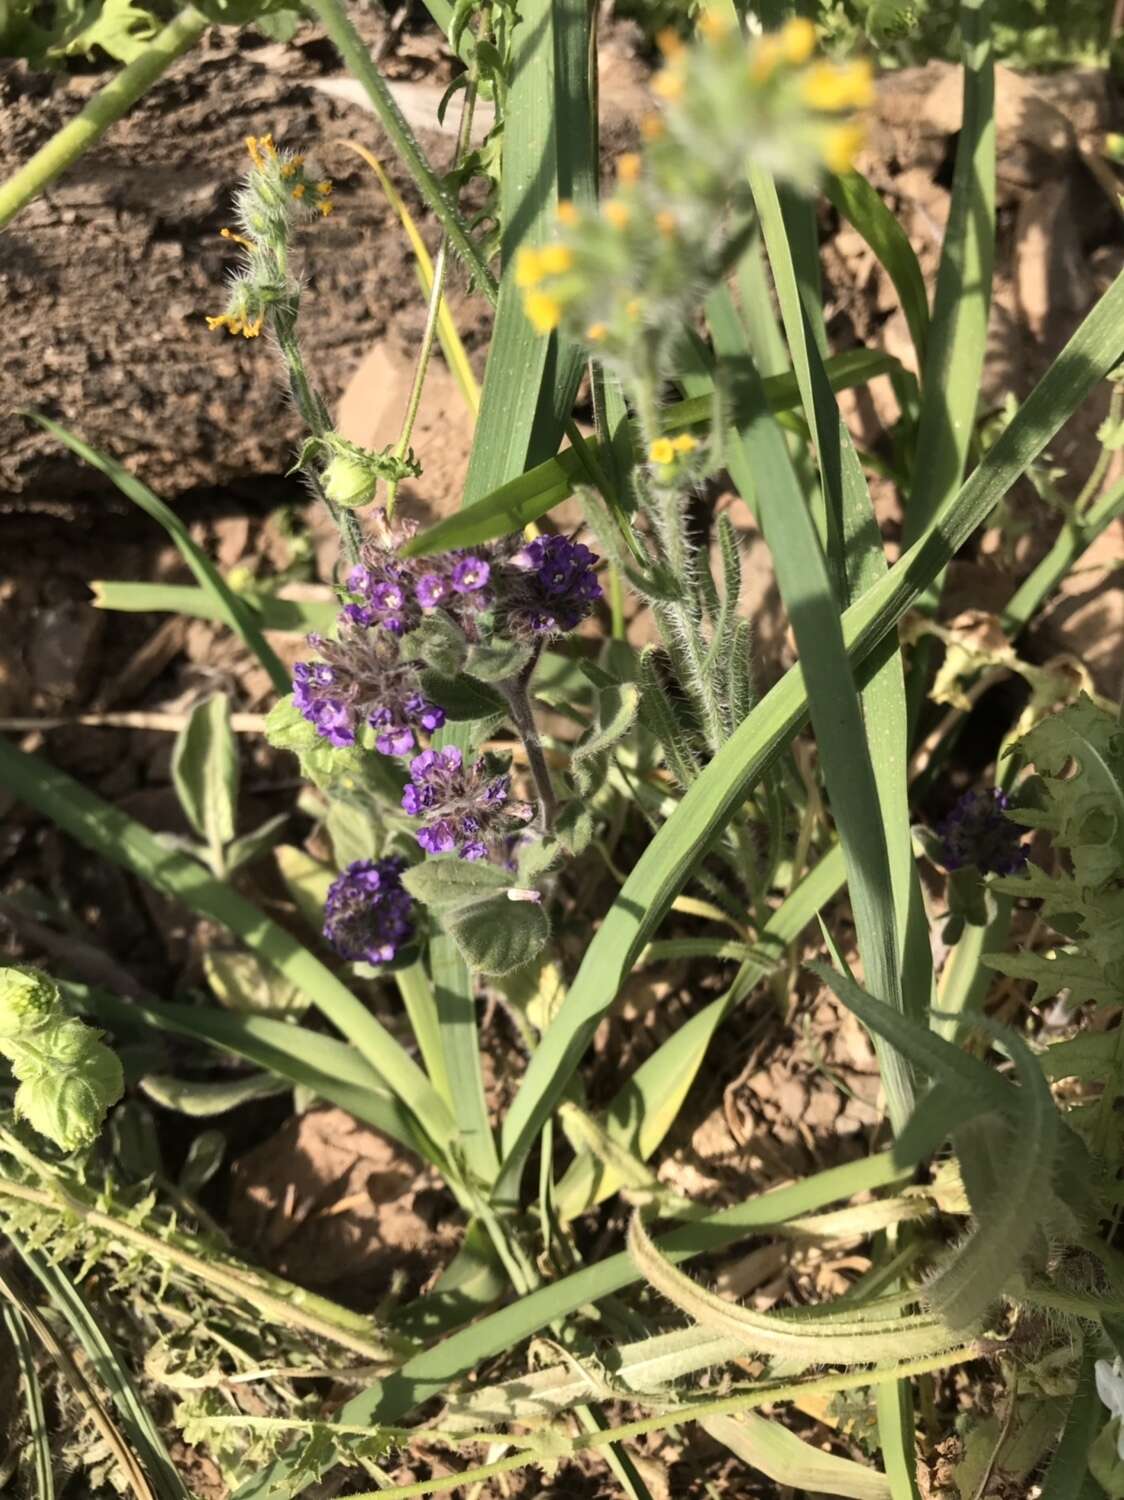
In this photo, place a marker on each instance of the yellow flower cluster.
(625, 272)
(665, 451)
(276, 192)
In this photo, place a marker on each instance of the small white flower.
(1110, 1388)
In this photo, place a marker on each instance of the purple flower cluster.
(369, 914)
(466, 809)
(548, 587)
(976, 832)
(362, 680)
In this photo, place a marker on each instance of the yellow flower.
(841, 144)
(828, 87)
(684, 443)
(596, 332)
(798, 40)
(617, 213)
(661, 452)
(528, 267)
(261, 148)
(632, 308)
(766, 55)
(568, 213)
(713, 26)
(668, 85)
(299, 191)
(292, 166)
(555, 259)
(628, 167)
(669, 42)
(652, 127)
(234, 323)
(543, 311)
(666, 222)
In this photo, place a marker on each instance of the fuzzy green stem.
(515, 692)
(333, 17)
(314, 414)
(107, 106)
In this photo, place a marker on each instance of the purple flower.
(431, 590)
(548, 587)
(368, 916)
(470, 575)
(977, 833)
(363, 679)
(464, 807)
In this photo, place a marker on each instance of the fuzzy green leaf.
(205, 770)
(497, 935)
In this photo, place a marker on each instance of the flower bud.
(349, 482)
(28, 1000)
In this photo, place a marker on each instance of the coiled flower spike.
(464, 808)
(368, 916)
(976, 832)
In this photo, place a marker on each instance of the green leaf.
(450, 881)
(243, 982)
(462, 696)
(307, 881)
(1068, 1473)
(497, 935)
(205, 771)
(204, 1157)
(780, 1455)
(863, 208)
(201, 1100)
(616, 710)
(68, 1083)
(231, 609)
(255, 845)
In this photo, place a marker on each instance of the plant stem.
(518, 701)
(333, 17)
(107, 106)
(436, 296)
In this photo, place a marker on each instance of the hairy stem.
(515, 692)
(106, 107)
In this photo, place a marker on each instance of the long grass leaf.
(782, 1456)
(865, 211)
(665, 865)
(33, 1401)
(958, 334)
(455, 998)
(833, 697)
(120, 839)
(232, 610)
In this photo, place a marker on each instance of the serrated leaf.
(205, 770)
(497, 935)
(443, 883)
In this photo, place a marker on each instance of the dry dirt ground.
(104, 285)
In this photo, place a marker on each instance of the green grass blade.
(33, 1399)
(232, 610)
(768, 1447)
(665, 865)
(530, 382)
(331, 1069)
(893, 1404)
(865, 211)
(958, 334)
(519, 501)
(139, 1426)
(648, 1104)
(455, 996)
(836, 711)
(430, 1372)
(273, 613)
(124, 842)
(421, 1007)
